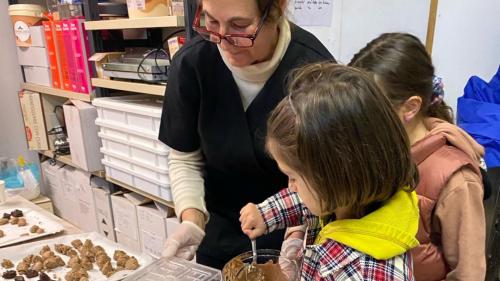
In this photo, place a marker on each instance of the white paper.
(17, 253)
(15, 234)
(136, 4)
(313, 12)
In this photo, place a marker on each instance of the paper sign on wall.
(313, 12)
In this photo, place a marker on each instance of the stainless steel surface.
(136, 76)
(130, 67)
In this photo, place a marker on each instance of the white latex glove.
(184, 242)
(288, 260)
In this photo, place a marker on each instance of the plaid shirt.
(330, 260)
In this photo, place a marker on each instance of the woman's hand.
(252, 223)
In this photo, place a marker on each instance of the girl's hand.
(252, 223)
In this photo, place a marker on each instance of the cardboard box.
(38, 75)
(37, 36)
(82, 133)
(102, 197)
(86, 218)
(50, 177)
(63, 196)
(71, 194)
(152, 229)
(34, 123)
(34, 56)
(125, 217)
(172, 225)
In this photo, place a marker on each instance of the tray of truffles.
(19, 225)
(79, 257)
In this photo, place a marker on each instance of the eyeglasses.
(238, 40)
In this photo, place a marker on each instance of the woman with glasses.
(222, 86)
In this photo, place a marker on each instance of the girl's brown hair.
(340, 133)
(403, 69)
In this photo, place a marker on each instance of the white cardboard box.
(38, 75)
(86, 218)
(172, 225)
(82, 133)
(50, 177)
(104, 212)
(152, 229)
(37, 36)
(34, 56)
(125, 217)
(71, 194)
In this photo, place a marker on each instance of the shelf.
(151, 89)
(56, 92)
(66, 159)
(153, 22)
(141, 192)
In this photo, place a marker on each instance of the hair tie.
(437, 90)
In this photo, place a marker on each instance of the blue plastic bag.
(478, 113)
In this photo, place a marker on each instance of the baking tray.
(17, 253)
(15, 234)
(175, 269)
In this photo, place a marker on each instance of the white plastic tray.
(141, 112)
(154, 157)
(15, 234)
(175, 269)
(138, 180)
(17, 253)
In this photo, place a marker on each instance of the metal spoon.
(253, 272)
(254, 251)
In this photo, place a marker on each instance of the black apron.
(203, 109)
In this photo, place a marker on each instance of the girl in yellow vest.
(452, 220)
(350, 174)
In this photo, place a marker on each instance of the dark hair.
(340, 133)
(275, 11)
(403, 68)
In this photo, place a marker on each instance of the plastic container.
(129, 127)
(145, 155)
(140, 113)
(23, 16)
(148, 8)
(236, 268)
(167, 269)
(137, 180)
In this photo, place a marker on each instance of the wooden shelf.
(153, 22)
(141, 192)
(56, 92)
(151, 89)
(66, 159)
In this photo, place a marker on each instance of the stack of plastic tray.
(177, 269)
(129, 127)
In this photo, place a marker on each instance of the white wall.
(356, 22)
(466, 43)
(12, 136)
(466, 39)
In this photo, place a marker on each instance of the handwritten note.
(313, 12)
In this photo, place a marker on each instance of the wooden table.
(19, 202)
